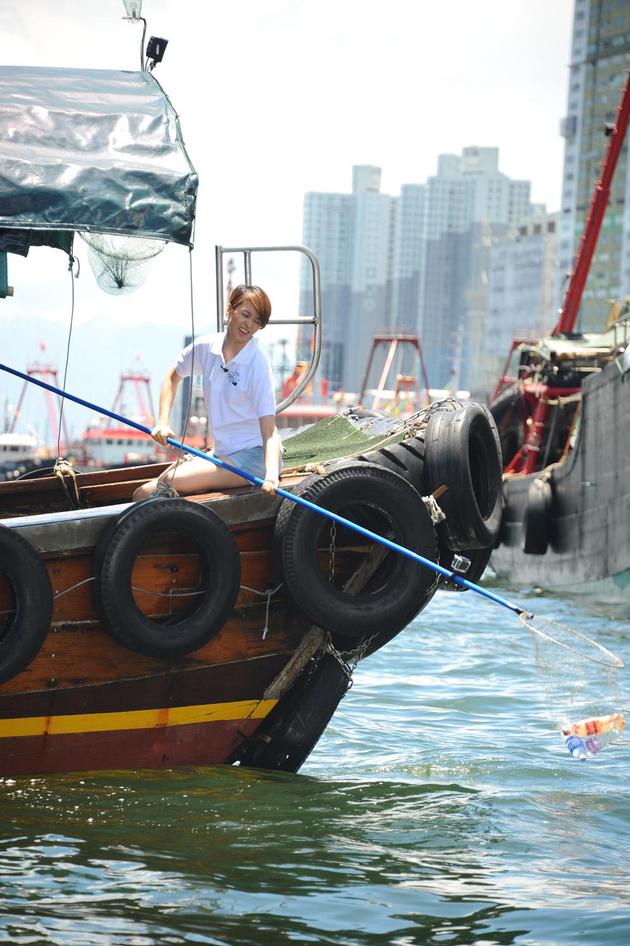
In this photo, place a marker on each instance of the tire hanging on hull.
(405, 458)
(408, 458)
(26, 603)
(462, 452)
(288, 735)
(537, 517)
(386, 504)
(117, 550)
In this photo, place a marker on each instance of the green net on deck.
(346, 435)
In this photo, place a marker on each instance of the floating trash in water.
(579, 678)
(587, 737)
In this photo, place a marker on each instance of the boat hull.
(179, 717)
(589, 519)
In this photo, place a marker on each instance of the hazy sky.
(278, 97)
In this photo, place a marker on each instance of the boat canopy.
(92, 151)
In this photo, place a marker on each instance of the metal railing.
(314, 320)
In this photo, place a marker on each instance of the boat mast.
(597, 209)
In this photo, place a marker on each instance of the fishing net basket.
(120, 264)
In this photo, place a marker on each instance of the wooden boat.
(221, 628)
(81, 689)
(562, 408)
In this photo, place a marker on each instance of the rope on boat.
(86, 581)
(434, 509)
(71, 262)
(268, 594)
(68, 478)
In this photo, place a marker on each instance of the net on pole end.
(572, 640)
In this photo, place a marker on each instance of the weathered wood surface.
(101, 488)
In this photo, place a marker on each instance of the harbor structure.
(561, 408)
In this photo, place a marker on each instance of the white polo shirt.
(237, 393)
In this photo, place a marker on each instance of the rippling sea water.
(440, 807)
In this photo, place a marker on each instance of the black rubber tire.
(479, 559)
(405, 458)
(374, 497)
(116, 552)
(102, 544)
(23, 631)
(537, 518)
(462, 452)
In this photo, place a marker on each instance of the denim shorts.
(251, 460)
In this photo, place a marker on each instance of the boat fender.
(119, 546)
(537, 517)
(405, 458)
(26, 603)
(377, 499)
(289, 733)
(462, 452)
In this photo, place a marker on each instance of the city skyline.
(264, 122)
(418, 264)
(466, 261)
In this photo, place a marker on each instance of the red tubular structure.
(597, 209)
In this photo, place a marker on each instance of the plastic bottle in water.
(576, 746)
(589, 736)
(613, 723)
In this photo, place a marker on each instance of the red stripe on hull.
(194, 744)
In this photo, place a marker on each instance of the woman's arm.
(163, 429)
(272, 450)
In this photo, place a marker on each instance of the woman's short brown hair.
(258, 298)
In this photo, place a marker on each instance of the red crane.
(140, 381)
(596, 211)
(47, 373)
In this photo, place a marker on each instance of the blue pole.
(282, 492)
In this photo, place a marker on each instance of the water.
(440, 807)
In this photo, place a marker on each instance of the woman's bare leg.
(194, 476)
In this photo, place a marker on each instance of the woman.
(239, 395)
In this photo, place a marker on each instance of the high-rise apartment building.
(328, 226)
(470, 205)
(409, 251)
(352, 236)
(521, 290)
(600, 56)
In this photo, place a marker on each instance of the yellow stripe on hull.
(135, 719)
